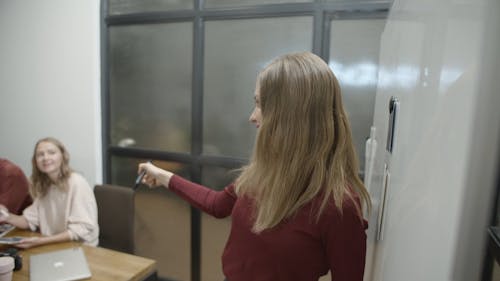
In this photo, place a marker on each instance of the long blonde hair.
(40, 182)
(304, 146)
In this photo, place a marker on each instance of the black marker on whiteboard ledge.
(140, 176)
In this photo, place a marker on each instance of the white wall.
(50, 80)
(441, 60)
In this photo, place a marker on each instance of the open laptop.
(5, 228)
(62, 265)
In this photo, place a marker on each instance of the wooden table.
(105, 264)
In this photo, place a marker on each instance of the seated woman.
(14, 185)
(64, 206)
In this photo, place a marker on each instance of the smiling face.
(48, 159)
(256, 116)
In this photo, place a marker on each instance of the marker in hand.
(139, 178)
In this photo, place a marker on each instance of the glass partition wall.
(178, 78)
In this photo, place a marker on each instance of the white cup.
(6, 267)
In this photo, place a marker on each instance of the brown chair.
(116, 215)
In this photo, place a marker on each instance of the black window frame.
(322, 12)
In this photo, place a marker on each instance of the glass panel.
(354, 60)
(162, 220)
(150, 86)
(239, 3)
(214, 232)
(117, 7)
(496, 271)
(235, 51)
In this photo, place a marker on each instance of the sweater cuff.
(175, 181)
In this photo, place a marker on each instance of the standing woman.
(297, 206)
(64, 206)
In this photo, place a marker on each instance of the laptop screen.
(63, 265)
(5, 228)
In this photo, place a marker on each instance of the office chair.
(116, 216)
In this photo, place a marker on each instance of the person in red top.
(296, 208)
(14, 187)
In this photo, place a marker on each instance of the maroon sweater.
(298, 249)
(13, 187)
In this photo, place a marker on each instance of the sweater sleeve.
(32, 215)
(345, 243)
(14, 189)
(82, 218)
(216, 203)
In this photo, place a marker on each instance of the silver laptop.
(62, 265)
